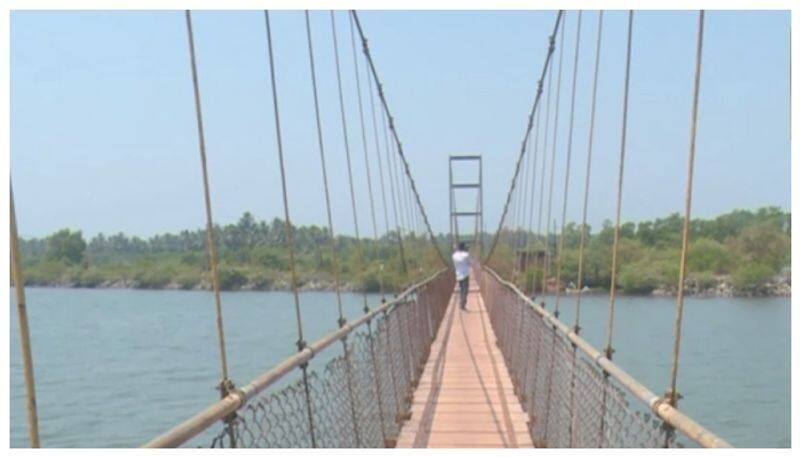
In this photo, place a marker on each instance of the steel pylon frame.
(455, 214)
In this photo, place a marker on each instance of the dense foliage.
(747, 248)
(252, 254)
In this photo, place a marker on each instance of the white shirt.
(461, 262)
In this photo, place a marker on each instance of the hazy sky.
(103, 134)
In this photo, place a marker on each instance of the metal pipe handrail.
(658, 405)
(193, 426)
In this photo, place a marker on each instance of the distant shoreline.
(743, 253)
(278, 286)
(780, 287)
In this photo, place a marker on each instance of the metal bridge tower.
(456, 212)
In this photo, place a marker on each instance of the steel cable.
(396, 137)
(609, 350)
(560, 254)
(576, 327)
(389, 150)
(588, 174)
(519, 217)
(542, 179)
(547, 258)
(531, 239)
(503, 215)
(673, 393)
(359, 244)
(287, 224)
(331, 233)
(225, 385)
(374, 226)
(528, 194)
(380, 171)
(366, 153)
(24, 331)
(613, 292)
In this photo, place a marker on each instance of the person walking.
(461, 264)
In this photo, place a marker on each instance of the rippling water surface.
(115, 368)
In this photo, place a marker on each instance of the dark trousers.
(464, 285)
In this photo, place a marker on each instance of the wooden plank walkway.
(465, 397)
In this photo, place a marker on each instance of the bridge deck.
(465, 397)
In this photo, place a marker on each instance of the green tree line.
(748, 249)
(252, 254)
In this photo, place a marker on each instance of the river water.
(117, 367)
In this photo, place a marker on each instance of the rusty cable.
(380, 172)
(613, 292)
(359, 245)
(547, 60)
(287, 224)
(366, 155)
(529, 227)
(24, 330)
(547, 257)
(542, 179)
(331, 233)
(577, 325)
(560, 253)
(673, 393)
(389, 150)
(396, 137)
(225, 384)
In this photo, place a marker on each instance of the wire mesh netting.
(361, 396)
(569, 400)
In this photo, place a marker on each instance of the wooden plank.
(465, 397)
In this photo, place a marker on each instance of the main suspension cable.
(503, 215)
(397, 142)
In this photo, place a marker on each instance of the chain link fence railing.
(359, 398)
(573, 395)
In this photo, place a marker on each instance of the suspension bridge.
(414, 370)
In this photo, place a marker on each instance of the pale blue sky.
(104, 136)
